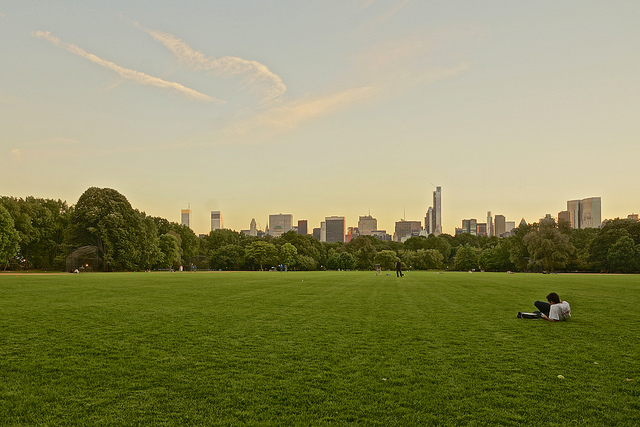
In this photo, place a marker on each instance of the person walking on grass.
(399, 268)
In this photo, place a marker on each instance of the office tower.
(481, 229)
(590, 212)
(406, 229)
(437, 211)
(381, 234)
(352, 233)
(186, 217)
(335, 229)
(585, 213)
(323, 231)
(253, 228)
(317, 233)
(216, 220)
(489, 224)
(367, 224)
(429, 221)
(510, 226)
(500, 225)
(280, 224)
(564, 216)
(302, 226)
(470, 226)
(633, 217)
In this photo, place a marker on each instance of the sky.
(321, 108)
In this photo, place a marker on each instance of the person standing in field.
(399, 268)
(555, 309)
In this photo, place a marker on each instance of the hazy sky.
(320, 108)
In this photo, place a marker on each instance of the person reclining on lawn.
(554, 310)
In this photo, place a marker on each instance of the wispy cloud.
(385, 16)
(256, 74)
(135, 76)
(288, 117)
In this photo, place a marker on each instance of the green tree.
(363, 250)
(104, 218)
(423, 259)
(228, 257)
(9, 237)
(168, 245)
(288, 254)
(466, 258)
(548, 247)
(305, 263)
(496, 258)
(623, 256)
(341, 261)
(261, 253)
(386, 259)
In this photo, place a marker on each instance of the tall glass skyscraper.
(437, 211)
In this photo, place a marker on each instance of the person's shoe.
(519, 315)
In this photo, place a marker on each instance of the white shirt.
(560, 311)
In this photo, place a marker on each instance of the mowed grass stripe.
(317, 348)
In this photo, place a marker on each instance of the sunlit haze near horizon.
(322, 108)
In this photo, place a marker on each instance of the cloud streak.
(288, 117)
(256, 74)
(128, 74)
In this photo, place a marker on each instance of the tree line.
(44, 234)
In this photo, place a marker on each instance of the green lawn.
(316, 348)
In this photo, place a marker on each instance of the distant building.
(186, 217)
(406, 229)
(352, 233)
(216, 220)
(253, 228)
(564, 216)
(280, 224)
(500, 225)
(335, 229)
(437, 211)
(429, 221)
(633, 217)
(511, 225)
(381, 234)
(302, 226)
(366, 224)
(316, 233)
(490, 224)
(469, 226)
(481, 229)
(585, 213)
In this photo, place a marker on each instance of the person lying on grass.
(555, 309)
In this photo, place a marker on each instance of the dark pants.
(544, 307)
(399, 273)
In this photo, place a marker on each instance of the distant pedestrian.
(399, 268)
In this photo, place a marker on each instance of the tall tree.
(9, 237)
(104, 218)
(548, 247)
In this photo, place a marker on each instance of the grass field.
(315, 349)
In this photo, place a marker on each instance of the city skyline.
(323, 109)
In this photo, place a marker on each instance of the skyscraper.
(253, 228)
(500, 225)
(406, 229)
(367, 224)
(437, 211)
(280, 224)
(585, 213)
(216, 220)
(185, 217)
(335, 229)
(470, 226)
(302, 226)
(429, 221)
(489, 224)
